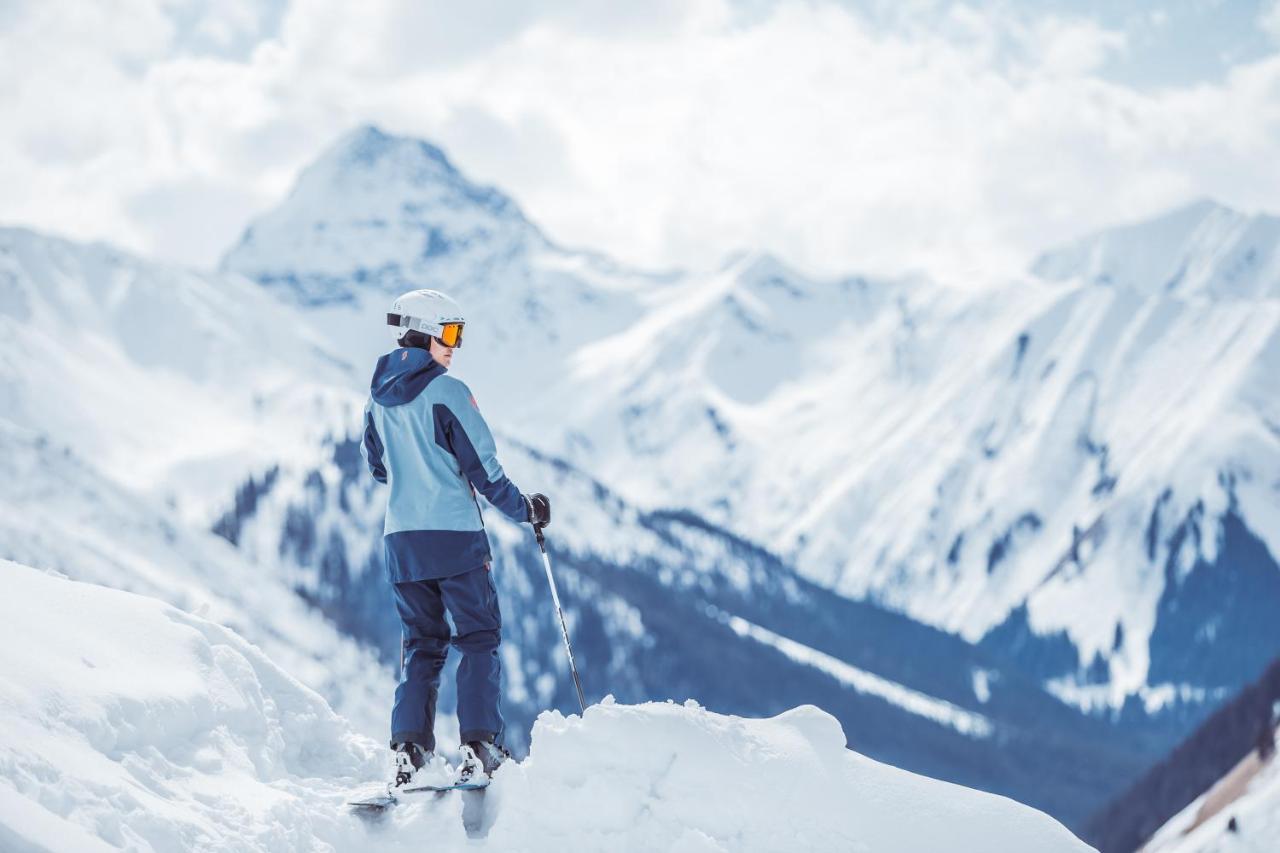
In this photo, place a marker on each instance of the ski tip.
(371, 805)
(373, 799)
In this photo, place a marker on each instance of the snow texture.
(128, 724)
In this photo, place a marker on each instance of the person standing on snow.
(425, 438)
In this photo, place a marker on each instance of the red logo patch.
(474, 404)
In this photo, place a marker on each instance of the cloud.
(959, 136)
(1269, 19)
(179, 214)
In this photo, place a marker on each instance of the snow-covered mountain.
(173, 382)
(380, 211)
(136, 397)
(136, 725)
(662, 605)
(1202, 250)
(1079, 468)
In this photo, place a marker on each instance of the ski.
(440, 789)
(376, 802)
(385, 798)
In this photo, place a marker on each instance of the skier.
(425, 438)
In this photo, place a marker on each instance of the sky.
(957, 139)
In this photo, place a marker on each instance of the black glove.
(539, 510)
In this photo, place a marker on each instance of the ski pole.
(564, 630)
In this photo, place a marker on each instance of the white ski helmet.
(429, 312)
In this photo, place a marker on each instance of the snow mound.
(127, 723)
(681, 778)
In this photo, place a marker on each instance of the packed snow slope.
(1080, 467)
(126, 723)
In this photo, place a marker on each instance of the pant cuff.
(426, 740)
(479, 734)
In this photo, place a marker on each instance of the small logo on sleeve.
(474, 404)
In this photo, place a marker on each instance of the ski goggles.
(449, 334)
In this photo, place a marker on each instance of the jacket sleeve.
(462, 429)
(373, 446)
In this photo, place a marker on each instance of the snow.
(57, 512)
(1249, 794)
(938, 710)
(982, 679)
(344, 197)
(127, 720)
(659, 776)
(1209, 249)
(173, 382)
(127, 723)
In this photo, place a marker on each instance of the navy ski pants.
(472, 601)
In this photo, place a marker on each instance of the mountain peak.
(1203, 247)
(366, 144)
(379, 211)
(368, 149)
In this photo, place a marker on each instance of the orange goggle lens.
(451, 334)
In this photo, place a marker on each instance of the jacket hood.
(400, 376)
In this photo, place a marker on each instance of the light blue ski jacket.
(425, 438)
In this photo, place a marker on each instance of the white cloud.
(1269, 19)
(961, 136)
(1076, 47)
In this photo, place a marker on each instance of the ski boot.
(410, 758)
(480, 758)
